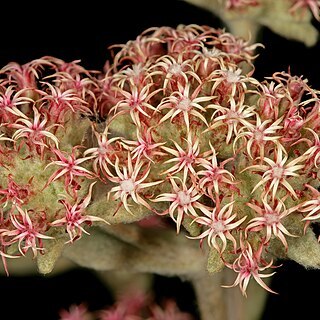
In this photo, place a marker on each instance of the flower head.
(129, 179)
(26, 233)
(70, 168)
(277, 172)
(249, 264)
(270, 219)
(219, 223)
(183, 200)
(74, 217)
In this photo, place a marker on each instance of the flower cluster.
(46, 181)
(177, 125)
(135, 306)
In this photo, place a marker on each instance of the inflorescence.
(175, 124)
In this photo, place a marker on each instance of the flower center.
(127, 185)
(271, 218)
(183, 198)
(277, 172)
(184, 104)
(188, 159)
(214, 52)
(136, 70)
(218, 226)
(258, 136)
(102, 150)
(175, 69)
(233, 117)
(232, 77)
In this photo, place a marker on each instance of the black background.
(71, 31)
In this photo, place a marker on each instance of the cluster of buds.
(175, 127)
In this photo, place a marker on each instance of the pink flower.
(233, 116)
(270, 96)
(186, 157)
(35, 132)
(129, 306)
(183, 199)
(270, 220)
(170, 311)
(313, 152)
(313, 5)
(136, 102)
(60, 101)
(277, 172)
(129, 181)
(14, 193)
(311, 206)
(175, 71)
(261, 136)
(219, 223)
(144, 146)
(249, 264)
(10, 100)
(214, 174)
(103, 154)
(74, 217)
(229, 82)
(75, 312)
(70, 168)
(186, 103)
(25, 232)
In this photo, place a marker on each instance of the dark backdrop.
(71, 31)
